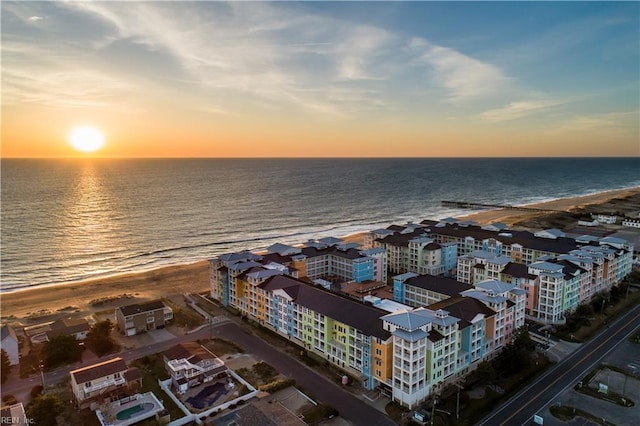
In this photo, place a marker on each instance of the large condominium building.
(327, 259)
(555, 285)
(437, 345)
(410, 249)
(358, 338)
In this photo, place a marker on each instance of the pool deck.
(109, 418)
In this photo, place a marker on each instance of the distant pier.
(470, 205)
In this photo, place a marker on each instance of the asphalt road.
(16, 387)
(520, 409)
(349, 406)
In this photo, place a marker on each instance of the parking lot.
(625, 357)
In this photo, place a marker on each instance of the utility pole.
(458, 402)
(44, 388)
(433, 408)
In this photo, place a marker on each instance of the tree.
(517, 354)
(99, 338)
(486, 373)
(61, 350)
(5, 367)
(522, 340)
(44, 409)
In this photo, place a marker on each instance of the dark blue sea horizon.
(71, 219)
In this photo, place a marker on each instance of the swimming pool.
(130, 412)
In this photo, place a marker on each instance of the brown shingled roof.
(96, 371)
(191, 351)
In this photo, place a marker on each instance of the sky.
(322, 79)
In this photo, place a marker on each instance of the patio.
(211, 394)
(130, 410)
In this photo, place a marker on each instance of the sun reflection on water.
(90, 220)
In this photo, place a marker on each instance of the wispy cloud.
(519, 109)
(261, 52)
(611, 122)
(465, 78)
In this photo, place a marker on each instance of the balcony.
(104, 384)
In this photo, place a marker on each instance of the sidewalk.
(561, 350)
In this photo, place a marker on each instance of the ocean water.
(68, 220)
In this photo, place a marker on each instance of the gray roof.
(484, 296)
(7, 331)
(495, 286)
(407, 320)
(68, 326)
(264, 273)
(412, 336)
(283, 249)
(137, 308)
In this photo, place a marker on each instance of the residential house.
(140, 317)
(104, 382)
(191, 364)
(13, 415)
(631, 222)
(9, 344)
(607, 218)
(77, 327)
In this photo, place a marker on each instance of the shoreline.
(59, 299)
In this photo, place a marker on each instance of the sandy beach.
(49, 302)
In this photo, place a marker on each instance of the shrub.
(9, 399)
(36, 390)
(277, 385)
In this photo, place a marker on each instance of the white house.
(10, 344)
(191, 364)
(606, 218)
(103, 382)
(631, 223)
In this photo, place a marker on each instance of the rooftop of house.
(16, 412)
(191, 351)
(8, 331)
(102, 369)
(138, 308)
(68, 326)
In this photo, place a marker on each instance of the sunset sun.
(86, 139)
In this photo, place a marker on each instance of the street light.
(44, 388)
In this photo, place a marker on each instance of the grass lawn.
(152, 369)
